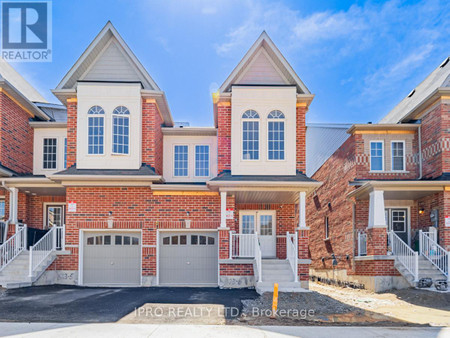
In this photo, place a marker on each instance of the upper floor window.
(2, 208)
(398, 155)
(276, 135)
(202, 160)
(121, 130)
(376, 156)
(250, 135)
(96, 128)
(180, 165)
(49, 153)
(65, 153)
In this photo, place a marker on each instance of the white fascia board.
(179, 187)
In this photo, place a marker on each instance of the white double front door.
(263, 223)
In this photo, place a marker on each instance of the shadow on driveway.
(71, 304)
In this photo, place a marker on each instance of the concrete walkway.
(49, 330)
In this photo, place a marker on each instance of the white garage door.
(188, 258)
(112, 258)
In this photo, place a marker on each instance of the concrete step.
(15, 284)
(278, 279)
(262, 287)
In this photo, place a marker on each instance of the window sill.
(389, 172)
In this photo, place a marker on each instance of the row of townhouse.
(106, 190)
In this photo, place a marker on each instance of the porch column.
(302, 209)
(223, 209)
(13, 205)
(377, 218)
(377, 227)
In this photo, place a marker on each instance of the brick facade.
(301, 138)
(152, 138)
(224, 136)
(71, 132)
(16, 141)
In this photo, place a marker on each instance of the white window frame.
(104, 129)
(259, 135)
(112, 130)
(404, 155)
(56, 204)
(195, 159)
(284, 130)
(56, 153)
(327, 228)
(188, 155)
(65, 153)
(382, 155)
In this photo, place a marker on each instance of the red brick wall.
(16, 142)
(224, 136)
(236, 270)
(330, 201)
(71, 132)
(375, 268)
(301, 139)
(152, 138)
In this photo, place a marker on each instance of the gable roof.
(275, 68)
(8, 73)
(107, 37)
(438, 79)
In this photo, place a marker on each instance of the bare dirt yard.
(332, 305)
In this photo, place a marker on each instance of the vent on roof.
(445, 62)
(412, 93)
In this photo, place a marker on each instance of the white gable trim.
(109, 28)
(251, 54)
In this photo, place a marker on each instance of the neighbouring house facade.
(112, 192)
(381, 218)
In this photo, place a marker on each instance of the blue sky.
(359, 58)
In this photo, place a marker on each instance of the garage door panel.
(188, 258)
(105, 262)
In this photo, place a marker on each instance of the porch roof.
(399, 190)
(34, 185)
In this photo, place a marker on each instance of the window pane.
(397, 156)
(180, 160)
(126, 240)
(99, 240)
(210, 240)
(248, 224)
(107, 240)
(166, 240)
(202, 161)
(95, 130)
(276, 140)
(194, 239)
(250, 140)
(65, 153)
(202, 240)
(135, 240)
(120, 130)
(118, 240)
(174, 240)
(266, 225)
(2, 209)
(49, 153)
(183, 240)
(90, 241)
(376, 156)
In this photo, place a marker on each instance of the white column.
(223, 209)
(302, 209)
(13, 205)
(377, 217)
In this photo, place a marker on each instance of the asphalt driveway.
(71, 304)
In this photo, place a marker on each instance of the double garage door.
(112, 258)
(188, 258)
(185, 258)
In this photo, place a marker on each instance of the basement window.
(327, 228)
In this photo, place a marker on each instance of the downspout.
(5, 234)
(419, 134)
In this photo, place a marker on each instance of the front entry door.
(397, 220)
(55, 217)
(263, 222)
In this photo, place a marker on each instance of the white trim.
(404, 156)
(104, 131)
(112, 130)
(44, 218)
(242, 135)
(56, 153)
(408, 219)
(284, 120)
(188, 155)
(257, 229)
(195, 160)
(382, 155)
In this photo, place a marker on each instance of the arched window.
(275, 134)
(250, 135)
(96, 129)
(121, 130)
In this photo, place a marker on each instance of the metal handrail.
(13, 247)
(436, 254)
(292, 252)
(405, 255)
(258, 258)
(41, 250)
